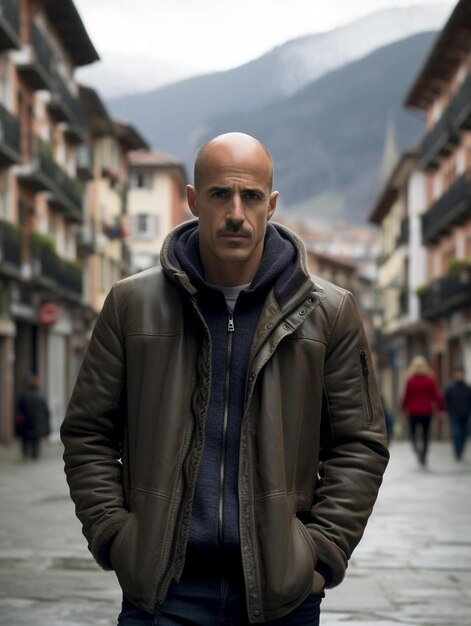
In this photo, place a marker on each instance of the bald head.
(236, 147)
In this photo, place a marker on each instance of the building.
(397, 211)
(105, 162)
(442, 91)
(156, 203)
(63, 183)
(41, 200)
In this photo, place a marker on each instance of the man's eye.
(252, 195)
(219, 193)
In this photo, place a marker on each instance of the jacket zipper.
(365, 386)
(222, 467)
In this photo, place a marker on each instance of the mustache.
(233, 229)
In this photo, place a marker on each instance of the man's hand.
(318, 583)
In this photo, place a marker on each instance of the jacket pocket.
(365, 386)
(118, 540)
(307, 539)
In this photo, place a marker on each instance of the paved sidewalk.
(413, 566)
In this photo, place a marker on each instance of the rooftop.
(444, 58)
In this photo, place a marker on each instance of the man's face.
(233, 202)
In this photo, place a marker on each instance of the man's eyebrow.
(214, 188)
(217, 188)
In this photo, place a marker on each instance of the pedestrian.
(458, 406)
(421, 398)
(224, 443)
(32, 419)
(389, 417)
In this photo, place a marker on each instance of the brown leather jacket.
(312, 451)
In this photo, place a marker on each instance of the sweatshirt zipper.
(222, 467)
(365, 387)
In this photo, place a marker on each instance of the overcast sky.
(156, 41)
(215, 34)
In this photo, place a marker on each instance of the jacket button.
(270, 325)
(310, 300)
(286, 326)
(302, 312)
(256, 612)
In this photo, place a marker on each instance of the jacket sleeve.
(353, 453)
(92, 435)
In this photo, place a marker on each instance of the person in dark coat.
(32, 419)
(458, 406)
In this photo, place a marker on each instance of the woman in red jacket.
(420, 400)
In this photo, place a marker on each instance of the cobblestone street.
(413, 566)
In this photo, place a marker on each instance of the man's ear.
(191, 199)
(272, 204)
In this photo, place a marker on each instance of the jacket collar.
(284, 261)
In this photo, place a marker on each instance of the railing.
(459, 111)
(43, 53)
(437, 142)
(61, 182)
(10, 14)
(73, 106)
(446, 294)
(9, 134)
(453, 207)
(10, 244)
(446, 132)
(65, 274)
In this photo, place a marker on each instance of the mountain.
(327, 139)
(120, 74)
(171, 116)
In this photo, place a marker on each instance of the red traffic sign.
(48, 313)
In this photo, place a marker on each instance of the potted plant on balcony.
(461, 268)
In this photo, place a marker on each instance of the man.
(458, 406)
(239, 394)
(32, 420)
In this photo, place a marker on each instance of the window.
(141, 180)
(437, 186)
(437, 111)
(461, 161)
(461, 76)
(145, 226)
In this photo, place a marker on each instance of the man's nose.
(235, 211)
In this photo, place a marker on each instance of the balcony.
(64, 107)
(36, 62)
(446, 294)
(10, 249)
(453, 208)
(9, 138)
(460, 107)
(43, 174)
(9, 25)
(442, 138)
(55, 273)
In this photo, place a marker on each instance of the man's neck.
(230, 274)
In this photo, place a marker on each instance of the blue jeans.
(216, 601)
(459, 428)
